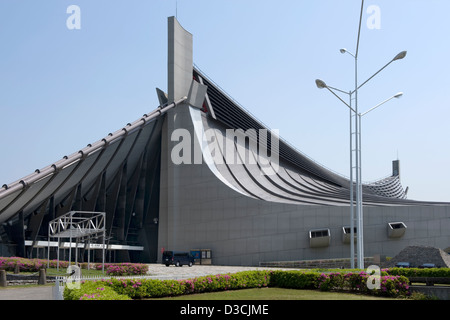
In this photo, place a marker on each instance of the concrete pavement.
(26, 293)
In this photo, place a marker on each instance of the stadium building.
(201, 172)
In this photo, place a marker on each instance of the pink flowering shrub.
(146, 288)
(390, 286)
(393, 286)
(33, 265)
(220, 282)
(123, 269)
(330, 281)
(93, 290)
(151, 288)
(28, 265)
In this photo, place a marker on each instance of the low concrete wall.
(314, 264)
(19, 279)
(442, 293)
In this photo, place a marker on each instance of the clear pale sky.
(62, 88)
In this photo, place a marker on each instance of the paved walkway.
(159, 271)
(23, 293)
(172, 272)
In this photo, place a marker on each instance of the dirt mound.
(418, 255)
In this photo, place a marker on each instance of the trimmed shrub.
(147, 288)
(219, 282)
(417, 272)
(93, 290)
(330, 281)
(390, 285)
(33, 265)
(124, 269)
(294, 279)
(356, 282)
(25, 265)
(393, 286)
(151, 288)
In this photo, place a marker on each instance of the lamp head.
(400, 56)
(343, 50)
(320, 84)
(398, 95)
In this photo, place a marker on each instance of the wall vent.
(396, 229)
(346, 234)
(319, 238)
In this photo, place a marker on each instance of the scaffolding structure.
(83, 226)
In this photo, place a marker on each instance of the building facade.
(200, 172)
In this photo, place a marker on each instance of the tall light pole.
(359, 227)
(357, 136)
(358, 160)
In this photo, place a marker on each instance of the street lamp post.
(359, 194)
(357, 134)
(359, 203)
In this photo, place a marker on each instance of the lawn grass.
(274, 294)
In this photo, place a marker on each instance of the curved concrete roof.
(97, 161)
(299, 179)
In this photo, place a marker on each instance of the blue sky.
(62, 89)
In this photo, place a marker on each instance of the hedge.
(124, 269)
(390, 286)
(33, 265)
(28, 265)
(151, 288)
(294, 279)
(94, 290)
(417, 272)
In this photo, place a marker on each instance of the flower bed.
(94, 290)
(33, 265)
(124, 269)
(151, 288)
(390, 286)
(27, 265)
